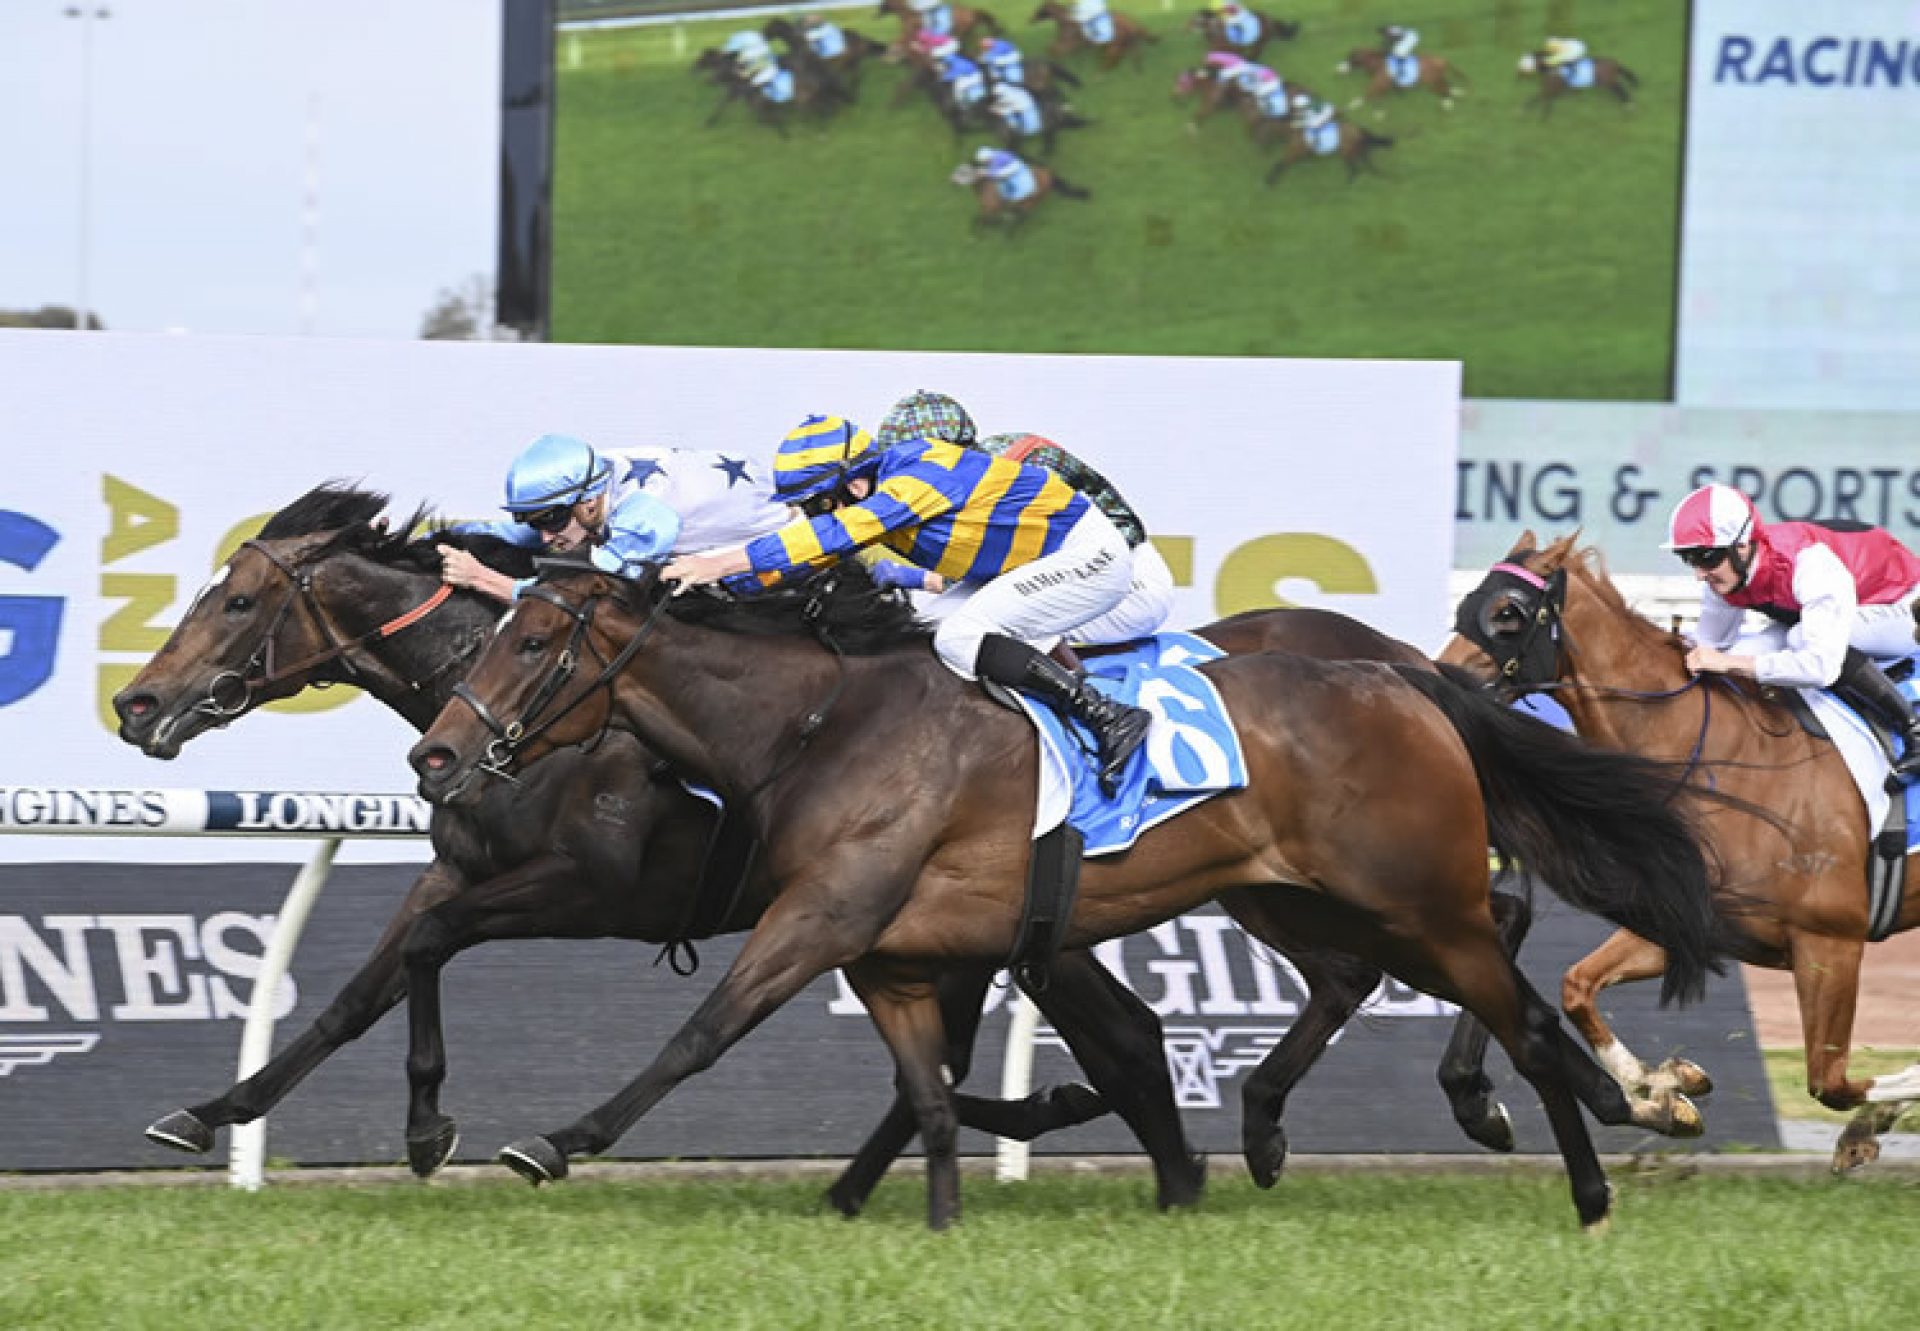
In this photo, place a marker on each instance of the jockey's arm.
(1817, 647)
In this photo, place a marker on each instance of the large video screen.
(1532, 238)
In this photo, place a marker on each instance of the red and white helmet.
(1712, 518)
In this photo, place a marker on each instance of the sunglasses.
(549, 520)
(819, 505)
(1708, 558)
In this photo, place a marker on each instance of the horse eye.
(532, 646)
(239, 605)
(1508, 616)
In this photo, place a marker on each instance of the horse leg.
(907, 1014)
(375, 989)
(1623, 958)
(792, 945)
(1119, 1043)
(1859, 1142)
(1463, 1067)
(1826, 979)
(516, 904)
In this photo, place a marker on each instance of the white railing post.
(246, 1161)
(1016, 1081)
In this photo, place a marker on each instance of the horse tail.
(1372, 140)
(1068, 189)
(1633, 79)
(1598, 826)
(1282, 29)
(1065, 75)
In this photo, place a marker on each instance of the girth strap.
(1053, 881)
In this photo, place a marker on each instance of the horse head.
(1509, 630)
(543, 682)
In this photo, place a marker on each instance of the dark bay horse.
(1130, 37)
(816, 91)
(1438, 75)
(1213, 31)
(594, 843)
(843, 69)
(1608, 75)
(544, 859)
(895, 827)
(1357, 145)
(1796, 854)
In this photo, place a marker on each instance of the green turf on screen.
(1539, 252)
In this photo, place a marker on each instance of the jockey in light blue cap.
(562, 494)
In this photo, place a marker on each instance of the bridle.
(1529, 661)
(262, 670)
(509, 737)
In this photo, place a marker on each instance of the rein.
(261, 670)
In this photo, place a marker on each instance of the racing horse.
(1215, 90)
(1435, 73)
(814, 91)
(594, 843)
(1556, 81)
(1124, 36)
(890, 866)
(1355, 146)
(1794, 839)
(560, 853)
(964, 22)
(842, 69)
(992, 208)
(1213, 30)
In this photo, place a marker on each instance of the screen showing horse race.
(1493, 182)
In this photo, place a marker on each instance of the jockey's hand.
(460, 569)
(1704, 660)
(699, 569)
(933, 583)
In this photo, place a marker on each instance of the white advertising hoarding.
(1800, 246)
(134, 463)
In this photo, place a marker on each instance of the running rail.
(145, 812)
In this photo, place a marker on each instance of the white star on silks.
(641, 470)
(736, 471)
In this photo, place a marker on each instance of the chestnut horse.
(894, 804)
(966, 22)
(1438, 75)
(1356, 149)
(1796, 851)
(994, 209)
(1129, 37)
(1215, 92)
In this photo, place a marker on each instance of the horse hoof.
(1686, 1117)
(181, 1131)
(1076, 1103)
(1185, 1189)
(1495, 1131)
(1859, 1144)
(1689, 1077)
(428, 1151)
(536, 1160)
(842, 1199)
(1267, 1159)
(1598, 1229)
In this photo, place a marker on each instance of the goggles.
(1704, 557)
(821, 504)
(549, 521)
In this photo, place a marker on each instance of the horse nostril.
(137, 706)
(436, 760)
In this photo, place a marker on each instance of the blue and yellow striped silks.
(967, 516)
(817, 456)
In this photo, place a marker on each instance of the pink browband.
(1523, 573)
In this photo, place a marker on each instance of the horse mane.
(348, 512)
(843, 604)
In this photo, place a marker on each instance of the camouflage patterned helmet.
(925, 414)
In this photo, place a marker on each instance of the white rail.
(332, 818)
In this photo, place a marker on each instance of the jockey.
(1008, 171)
(1265, 86)
(1399, 40)
(1310, 115)
(1037, 557)
(1002, 59)
(1558, 51)
(561, 494)
(1085, 12)
(1017, 110)
(750, 51)
(925, 414)
(1827, 588)
(823, 38)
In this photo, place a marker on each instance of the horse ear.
(1527, 543)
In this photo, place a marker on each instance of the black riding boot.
(1118, 728)
(1863, 681)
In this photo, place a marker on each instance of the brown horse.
(966, 22)
(1609, 75)
(1129, 37)
(843, 69)
(1356, 149)
(1214, 92)
(816, 91)
(1212, 28)
(1438, 75)
(893, 803)
(992, 208)
(1796, 853)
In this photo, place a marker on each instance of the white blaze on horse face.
(501, 627)
(212, 582)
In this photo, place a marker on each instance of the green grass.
(1540, 253)
(1426, 1252)
(1787, 1073)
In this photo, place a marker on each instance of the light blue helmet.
(555, 469)
(641, 530)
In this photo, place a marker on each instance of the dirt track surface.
(1888, 1016)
